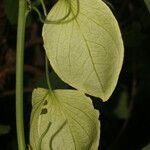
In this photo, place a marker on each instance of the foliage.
(126, 131)
(87, 51)
(64, 120)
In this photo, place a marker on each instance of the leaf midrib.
(88, 48)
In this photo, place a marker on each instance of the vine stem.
(19, 74)
(47, 75)
(46, 59)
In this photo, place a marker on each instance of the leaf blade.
(70, 123)
(86, 52)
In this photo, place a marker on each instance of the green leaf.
(4, 129)
(65, 120)
(147, 2)
(146, 147)
(85, 49)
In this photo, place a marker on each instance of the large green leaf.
(64, 120)
(85, 49)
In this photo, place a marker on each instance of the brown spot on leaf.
(44, 111)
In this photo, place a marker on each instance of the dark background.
(125, 120)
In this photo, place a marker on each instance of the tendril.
(62, 20)
(43, 19)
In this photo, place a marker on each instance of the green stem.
(44, 8)
(19, 74)
(46, 59)
(47, 75)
